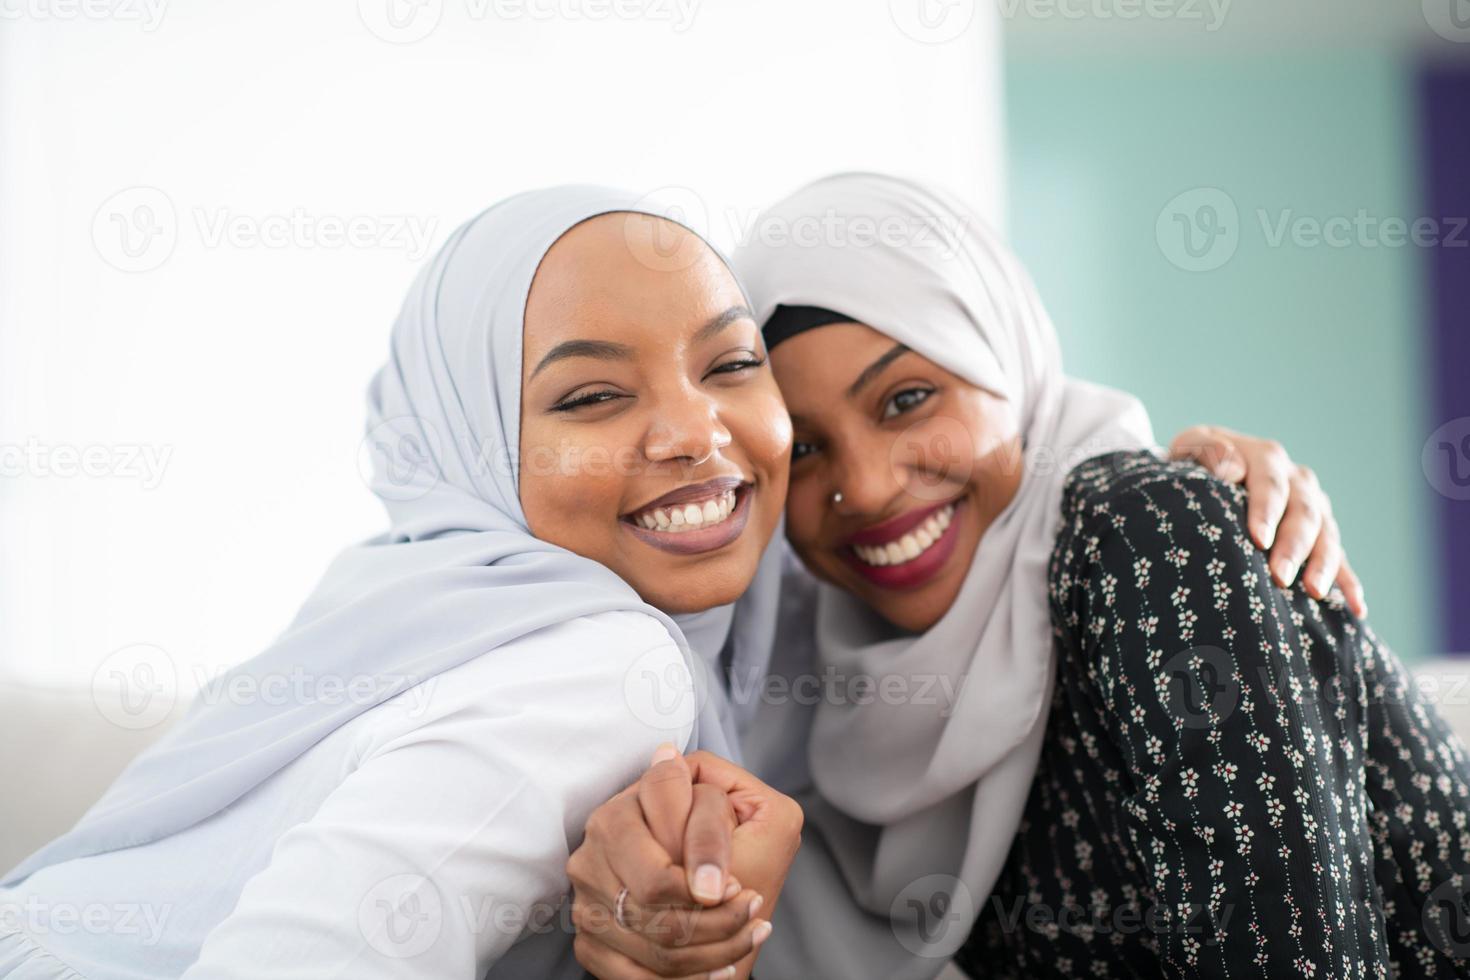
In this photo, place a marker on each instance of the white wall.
(209, 382)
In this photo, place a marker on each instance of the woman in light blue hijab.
(581, 478)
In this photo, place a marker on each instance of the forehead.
(631, 275)
(816, 361)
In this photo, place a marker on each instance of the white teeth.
(911, 545)
(688, 517)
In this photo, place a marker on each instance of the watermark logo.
(665, 690)
(1199, 230)
(1447, 918)
(1446, 459)
(1450, 19)
(136, 687)
(932, 21)
(401, 916)
(932, 916)
(659, 247)
(1202, 687)
(136, 229)
(398, 458)
(933, 459)
(400, 21)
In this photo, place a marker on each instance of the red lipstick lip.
(896, 527)
(910, 574)
(706, 538)
(695, 491)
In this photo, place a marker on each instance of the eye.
(745, 363)
(800, 449)
(905, 400)
(587, 398)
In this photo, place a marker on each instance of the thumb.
(707, 843)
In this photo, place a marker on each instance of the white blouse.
(427, 838)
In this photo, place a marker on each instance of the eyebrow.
(606, 350)
(876, 368)
(733, 315)
(602, 350)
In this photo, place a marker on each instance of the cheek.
(568, 486)
(805, 509)
(761, 428)
(965, 432)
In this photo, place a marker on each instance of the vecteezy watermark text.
(138, 228)
(66, 461)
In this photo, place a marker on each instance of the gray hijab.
(456, 575)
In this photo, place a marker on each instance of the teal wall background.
(1319, 347)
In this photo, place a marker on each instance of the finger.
(607, 963)
(681, 956)
(672, 925)
(1324, 560)
(636, 860)
(1268, 489)
(706, 853)
(595, 901)
(1213, 449)
(751, 798)
(665, 794)
(706, 767)
(1352, 589)
(597, 887)
(1301, 524)
(709, 958)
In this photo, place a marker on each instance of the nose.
(863, 484)
(686, 429)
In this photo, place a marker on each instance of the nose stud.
(837, 497)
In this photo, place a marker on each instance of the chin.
(676, 603)
(916, 612)
(707, 584)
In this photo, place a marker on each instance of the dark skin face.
(640, 378)
(899, 438)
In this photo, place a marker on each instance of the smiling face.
(653, 436)
(923, 460)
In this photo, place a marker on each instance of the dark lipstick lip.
(705, 539)
(911, 574)
(695, 491)
(896, 527)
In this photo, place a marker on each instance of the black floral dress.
(1237, 781)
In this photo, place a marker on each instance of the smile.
(911, 545)
(906, 551)
(694, 519)
(682, 518)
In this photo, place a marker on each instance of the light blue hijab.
(457, 574)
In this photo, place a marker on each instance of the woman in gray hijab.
(1043, 697)
(583, 457)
